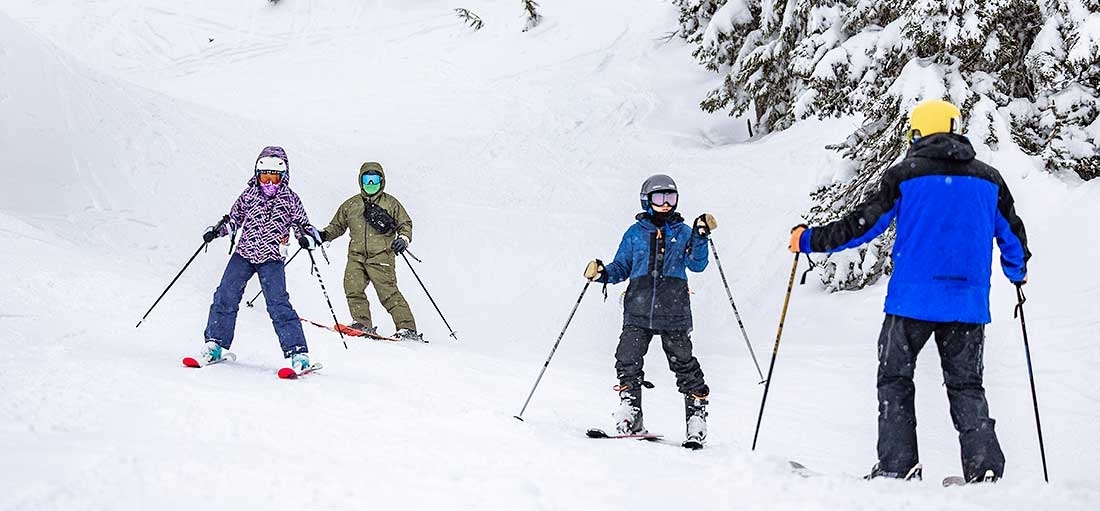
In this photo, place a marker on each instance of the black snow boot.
(628, 418)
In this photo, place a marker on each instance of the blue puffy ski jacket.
(655, 255)
(949, 207)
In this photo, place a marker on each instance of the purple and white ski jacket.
(265, 222)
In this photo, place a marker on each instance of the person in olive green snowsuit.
(380, 230)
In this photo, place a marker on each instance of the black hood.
(943, 146)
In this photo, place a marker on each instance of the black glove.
(310, 238)
(704, 224)
(217, 230)
(399, 244)
(595, 271)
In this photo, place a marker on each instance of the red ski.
(347, 330)
(287, 373)
(193, 362)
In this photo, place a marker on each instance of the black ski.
(599, 433)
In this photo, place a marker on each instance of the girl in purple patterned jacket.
(263, 217)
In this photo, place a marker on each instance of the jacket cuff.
(804, 241)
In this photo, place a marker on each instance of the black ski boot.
(695, 412)
(628, 418)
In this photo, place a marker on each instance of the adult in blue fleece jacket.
(948, 207)
(655, 254)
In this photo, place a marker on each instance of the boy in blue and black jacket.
(655, 254)
(948, 207)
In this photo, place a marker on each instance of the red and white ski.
(287, 373)
(193, 362)
(347, 330)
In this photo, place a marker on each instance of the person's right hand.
(216, 231)
(595, 271)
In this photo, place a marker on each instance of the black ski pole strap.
(604, 289)
(812, 267)
(1020, 299)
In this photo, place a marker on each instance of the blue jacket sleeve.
(1011, 237)
(619, 269)
(698, 257)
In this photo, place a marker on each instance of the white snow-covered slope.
(127, 127)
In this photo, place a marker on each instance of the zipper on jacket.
(658, 268)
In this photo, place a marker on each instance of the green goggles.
(371, 183)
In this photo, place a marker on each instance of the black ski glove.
(216, 231)
(399, 245)
(310, 238)
(704, 224)
(595, 271)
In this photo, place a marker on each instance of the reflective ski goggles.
(269, 177)
(662, 198)
(371, 179)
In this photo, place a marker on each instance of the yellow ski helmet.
(933, 116)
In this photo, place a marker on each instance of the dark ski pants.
(960, 346)
(227, 300)
(634, 344)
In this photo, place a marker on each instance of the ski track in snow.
(518, 155)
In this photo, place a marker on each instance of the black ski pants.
(960, 347)
(634, 344)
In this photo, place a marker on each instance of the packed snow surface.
(127, 127)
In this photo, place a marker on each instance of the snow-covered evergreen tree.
(1007, 63)
(967, 52)
(1062, 123)
(695, 16)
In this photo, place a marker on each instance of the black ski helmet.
(655, 183)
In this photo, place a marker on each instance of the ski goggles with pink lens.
(662, 198)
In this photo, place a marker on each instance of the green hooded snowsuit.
(370, 255)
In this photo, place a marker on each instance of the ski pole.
(336, 322)
(552, 350)
(422, 286)
(412, 255)
(253, 300)
(775, 350)
(737, 315)
(1031, 376)
(170, 284)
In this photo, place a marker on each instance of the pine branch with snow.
(533, 17)
(469, 18)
